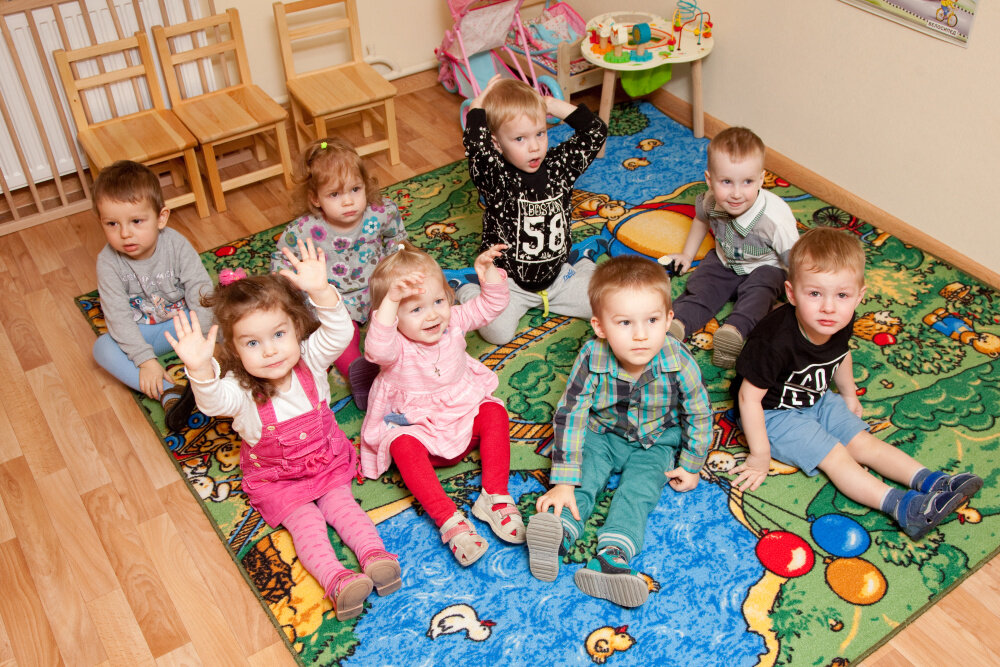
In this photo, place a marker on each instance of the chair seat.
(229, 113)
(341, 89)
(142, 137)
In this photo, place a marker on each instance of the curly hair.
(333, 160)
(407, 259)
(231, 303)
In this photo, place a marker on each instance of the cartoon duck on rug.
(458, 618)
(603, 642)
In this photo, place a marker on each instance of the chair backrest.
(313, 19)
(202, 56)
(128, 81)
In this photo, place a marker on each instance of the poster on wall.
(950, 20)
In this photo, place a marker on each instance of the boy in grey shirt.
(145, 273)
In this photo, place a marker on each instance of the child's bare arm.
(844, 379)
(753, 471)
(682, 260)
(558, 108)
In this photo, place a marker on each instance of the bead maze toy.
(642, 40)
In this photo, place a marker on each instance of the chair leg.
(176, 173)
(260, 147)
(390, 130)
(214, 178)
(366, 124)
(320, 125)
(297, 121)
(194, 179)
(283, 154)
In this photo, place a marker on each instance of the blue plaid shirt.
(602, 396)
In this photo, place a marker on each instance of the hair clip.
(322, 145)
(230, 276)
(400, 246)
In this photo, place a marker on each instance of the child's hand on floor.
(559, 496)
(485, 269)
(682, 480)
(194, 349)
(679, 262)
(751, 473)
(151, 376)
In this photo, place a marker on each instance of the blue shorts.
(803, 437)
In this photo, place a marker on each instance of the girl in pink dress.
(432, 403)
(297, 464)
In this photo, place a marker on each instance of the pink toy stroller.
(470, 53)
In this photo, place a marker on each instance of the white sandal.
(502, 514)
(463, 540)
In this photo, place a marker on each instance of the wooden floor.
(106, 557)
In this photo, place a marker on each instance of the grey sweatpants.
(567, 295)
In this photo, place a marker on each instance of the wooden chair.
(198, 55)
(152, 135)
(335, 92)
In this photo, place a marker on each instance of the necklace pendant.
(438, 371)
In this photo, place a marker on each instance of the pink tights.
(490, 431)
(350, 353)
(307, 526)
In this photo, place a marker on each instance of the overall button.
(303, 436)
(256, 464)
(270, 428)
(253, 456)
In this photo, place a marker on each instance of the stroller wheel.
(463, 111)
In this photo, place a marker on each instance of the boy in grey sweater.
(145, 273)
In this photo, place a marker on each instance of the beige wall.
(903, 120)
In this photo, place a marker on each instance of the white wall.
(901, 119)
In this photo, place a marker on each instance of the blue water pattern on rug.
(674, 164)
(695, 549)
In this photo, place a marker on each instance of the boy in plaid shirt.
(634, 403)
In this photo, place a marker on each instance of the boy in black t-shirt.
(784, 372)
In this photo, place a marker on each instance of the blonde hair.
(826, 250)
(128, 181)
(231, 303)
(509, 99)
(407, 259)
(332, 160)
(739, 143)
(627, 272)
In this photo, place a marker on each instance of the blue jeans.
(110, 357)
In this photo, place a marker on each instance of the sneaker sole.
(725, 348)
(969, 488)
(544, 535)
(498, 528)
(385, 576)
(351, 600)
(626, 590)
(939, 516)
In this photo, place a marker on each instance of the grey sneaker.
(608, 576)
(726, 345)
(546, 545)
(676, 329)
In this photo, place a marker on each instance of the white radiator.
(29, 130)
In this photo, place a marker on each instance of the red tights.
(490, 432)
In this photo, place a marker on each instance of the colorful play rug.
(793, 572)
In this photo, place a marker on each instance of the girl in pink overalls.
(297, 464)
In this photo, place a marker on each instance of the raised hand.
(194, 348)
(485, 269)
(405, 286)
(309, 272)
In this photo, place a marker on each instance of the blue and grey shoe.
(547, 544)
(965, 484)
(924, 511)
(608, 576)
(590, 248)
